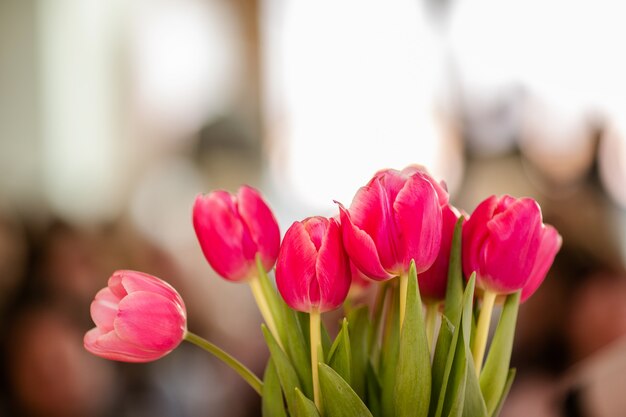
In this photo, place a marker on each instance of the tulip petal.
(108, 345)
(475, 234)
(103, 309)
(220, 232)
(261, 223)
(295, 268)
(151, 321)
(372, 211)
(440, 187)
(550, 244)
(418, 215)
(134, 281)
(333, 269)
(361, 248)
(433, 282)
(511, 249)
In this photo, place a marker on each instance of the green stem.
(233, 363)
(432, 310)
(316, 352)
(404, 289)
(482, 330)
(264, 308)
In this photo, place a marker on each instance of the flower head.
(233, 229)
(392, 220)
(313, 269)
(139, 318)
(506, 243)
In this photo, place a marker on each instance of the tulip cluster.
(411, 352)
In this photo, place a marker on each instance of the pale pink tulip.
(138, 317)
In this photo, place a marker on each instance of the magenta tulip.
(313, 269)
(232, 230)
(507, 244)
(434, 280)
(395, 218)
(138, 317)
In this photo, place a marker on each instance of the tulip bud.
(139, 318)
(313, 269)
(433, 282)
(232, 230)
(394, 219)
(507, 244)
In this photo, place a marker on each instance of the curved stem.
(233, 363)
(404, 289)
(316, 352)
(482, 330)
(264, 308)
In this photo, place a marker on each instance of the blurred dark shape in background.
(114, 115)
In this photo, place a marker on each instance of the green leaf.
(326, 340)
(304, 406)
(389, 352)
(372, 386)
(442, 363)
(413, 372)
(273, 404)
(359, 327)
(286, 374)
(340, 400)
(274, 300)
(454, 287)
(474, 405)
(494, 375)
(339, 356)
(297, 348)
(505, 392)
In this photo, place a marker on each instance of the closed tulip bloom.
(138, 317)
(507, 244)
(434, 280)
(313, 269)
(395, 218)
(233, 229)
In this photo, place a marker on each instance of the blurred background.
(115, 114)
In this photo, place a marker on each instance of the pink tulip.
(139, 318)
(434, 280)
(313, 269)
(507, 244)
(395, 218)
(232, 230)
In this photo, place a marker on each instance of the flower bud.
(392, 220)
(313, 269)
(434, 281)
(507, 244)
(139, 318)
(232, 230)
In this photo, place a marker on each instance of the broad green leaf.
(286, 374)
(454, 287)
(274, 300)
(326, 340)
(442, 363)
(389, 352)
(339, 399)
(505, 392)
(305, 407)
(273, 404)
(495, 373)
(474, 404)
(359, 326)
(413, 372)
(297, 348)
(454, 396)
(339, 356)
(450, 325)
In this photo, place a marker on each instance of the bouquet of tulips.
(417, 349)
